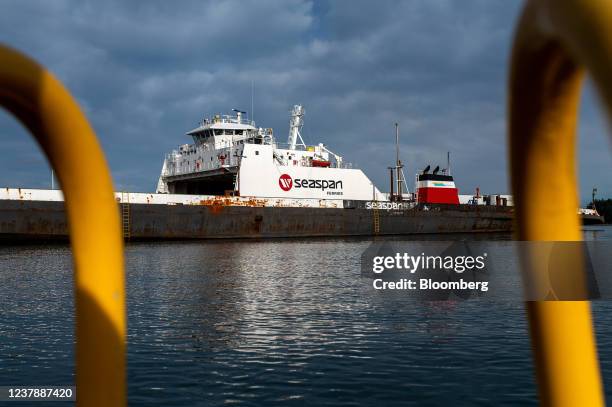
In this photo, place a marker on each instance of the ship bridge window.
(229, 132)
(218, 132)
(239, 132)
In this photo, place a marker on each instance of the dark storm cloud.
(146, 72)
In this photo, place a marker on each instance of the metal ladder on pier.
(125, 215)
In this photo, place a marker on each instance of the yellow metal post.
(554, 42)
(48, 110)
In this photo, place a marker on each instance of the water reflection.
(270, 323)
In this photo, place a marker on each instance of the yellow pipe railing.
(48, 110)
(554, 42)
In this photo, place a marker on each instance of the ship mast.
(295, 125)
(398, 165)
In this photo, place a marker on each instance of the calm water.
(274, 323)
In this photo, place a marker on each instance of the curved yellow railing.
(48, 110)
(555, 41)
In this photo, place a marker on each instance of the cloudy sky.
(146, 72)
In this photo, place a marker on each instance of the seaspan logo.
(285, 182)
(388, 205)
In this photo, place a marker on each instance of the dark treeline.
(604, 207)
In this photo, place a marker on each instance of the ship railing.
(229, 119)
(266, 140)
(175, 167)
(301, 147)
(298, 147)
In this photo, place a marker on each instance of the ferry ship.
(230, 156)
(235, 180)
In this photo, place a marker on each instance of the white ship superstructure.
(232, 156)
